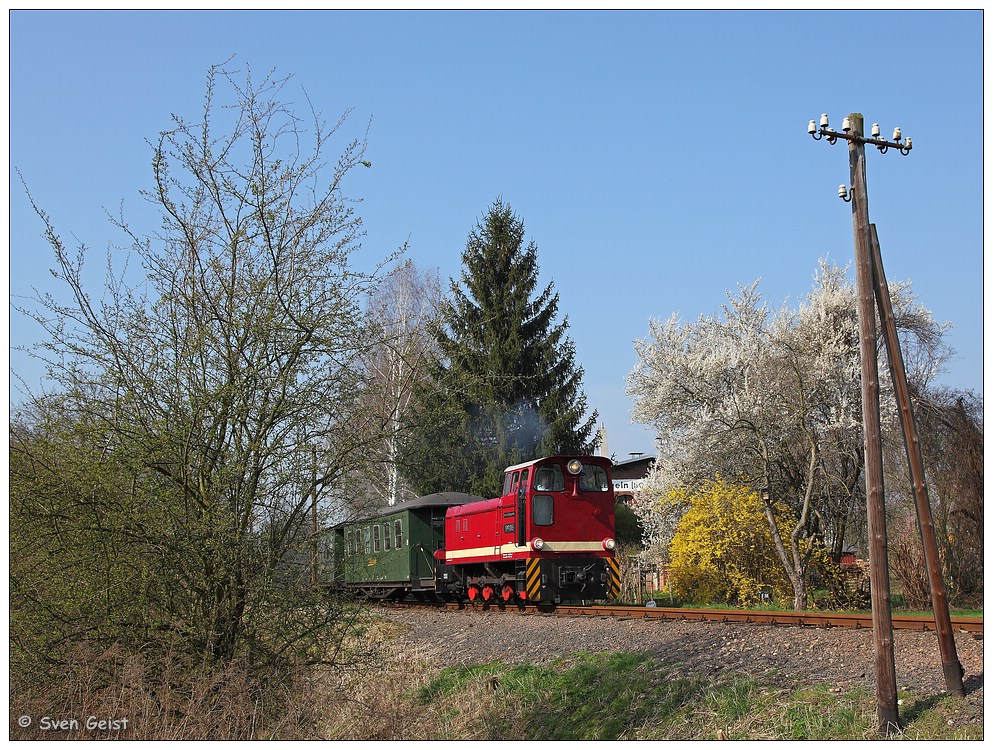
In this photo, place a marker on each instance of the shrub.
(722, 550)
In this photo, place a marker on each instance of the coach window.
(375, 538)
(368, 540)
(386, 537)
(542, 510)
(348, 543)
(398, 533)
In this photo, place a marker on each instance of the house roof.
(633, 468)
(634, 460)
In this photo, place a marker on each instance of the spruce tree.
(505, 388)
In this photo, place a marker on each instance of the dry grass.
(162, 696)
(143, 696)
(373, 701)
(380, 701)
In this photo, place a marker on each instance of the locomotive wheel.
(508, 592)
(487, 593)
(473, 593)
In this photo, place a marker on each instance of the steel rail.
(972, 625)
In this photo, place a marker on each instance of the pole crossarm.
(857, 137)
(882, 145)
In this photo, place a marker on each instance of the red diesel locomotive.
(548, 538)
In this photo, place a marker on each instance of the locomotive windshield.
(593, 479)
(549, 479)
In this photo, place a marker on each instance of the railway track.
(971, 625)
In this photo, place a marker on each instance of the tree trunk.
(800, 593)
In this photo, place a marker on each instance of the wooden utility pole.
(870, 275)
(950, 664)
(879, 574)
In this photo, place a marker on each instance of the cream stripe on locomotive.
(507, 549)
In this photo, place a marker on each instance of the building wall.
(628, 476)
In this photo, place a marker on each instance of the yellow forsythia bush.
(722, 550)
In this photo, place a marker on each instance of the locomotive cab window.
(593, 479)
(542, 510)
(549, 479)
(508, 483)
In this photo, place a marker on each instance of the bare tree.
(401, 312)
(951, 434)
(227, 377)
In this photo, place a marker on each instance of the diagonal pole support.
(950, 664)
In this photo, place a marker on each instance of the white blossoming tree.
(770, 399)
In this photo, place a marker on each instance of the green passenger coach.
(392, 553)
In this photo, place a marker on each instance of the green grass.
(586, 697)
(816, 714)
(626, 696)
(929, 613)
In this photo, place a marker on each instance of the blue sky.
(657, 159)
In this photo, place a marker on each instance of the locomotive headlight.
(574, 467)
(537, 544)
(609, 544)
